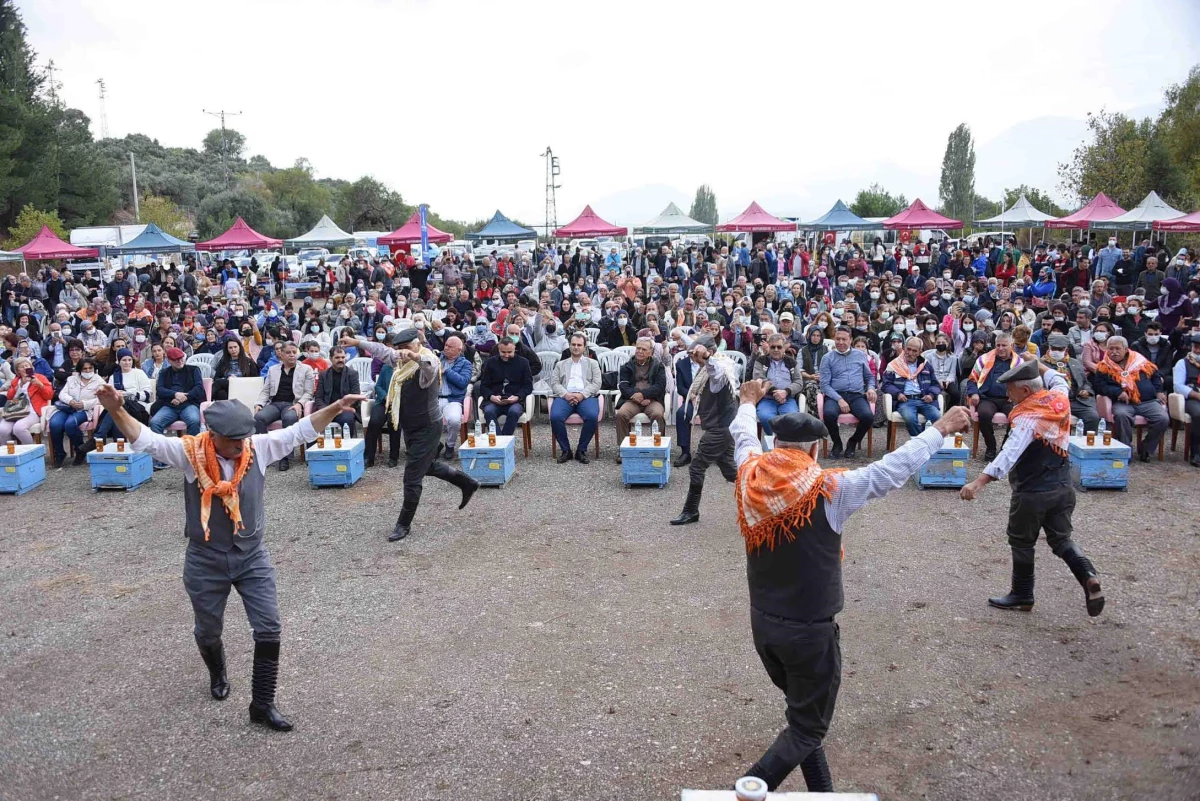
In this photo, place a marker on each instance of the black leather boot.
(816, 772)
(1085, 574)
(691, 508)
(1021, 595)
(468, 486)
(262, 687)
(403, 523)
(770, 770)
(213, 655)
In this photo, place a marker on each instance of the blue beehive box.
(23, 470)
(1099, 466)
(946, 468)
(335, 467)
(646, 464)
(490, 465)
(125, 470)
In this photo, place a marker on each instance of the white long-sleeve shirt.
(855, 487)
(1020, 434)
(268, 448)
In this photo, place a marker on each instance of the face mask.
(942, 347)
(1099, 336)
(946, 276)
(1134, 309)
(622, 321)
(246, 332)
(969, 298)
(1153, 338)
(315, 329)
(1112, 243)
(885, 316)
(1058, 355)
(1164, 291)
(1058, 317)
(87, 376)
(898, 327)
(272, 314)
(711, 310)
(419, 324)
(268, 341)
(729, 304)
(874, 295)
(550, 329)
(931, 327)
(821, 274)
(843, 284)
(1018, 306)
(947, 295)
(381, 335)
(139, 338)
(968, 327)
(891, 297)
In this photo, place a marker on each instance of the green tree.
(293, 191)
(368, 205)
(224, 143)
(1113, 162)
(28, 223)
(218, 212)
(957, 187)
(704, 206)
(165, 214)
(875, 201)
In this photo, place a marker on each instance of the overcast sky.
(451, 103)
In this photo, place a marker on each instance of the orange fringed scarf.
(777, 492)
(1050, 414)
(202, 455)
(1136, 365)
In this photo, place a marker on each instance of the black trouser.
(987, 408)
(805, 661)
(1031, 512)
(683, 426)
(421, 450)
(1192, 407)
(1085, 410)
(716, 445)
(375, 429)
(860, 407)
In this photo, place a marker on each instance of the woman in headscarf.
(811, 354)
(1173, 305)
(137, 388)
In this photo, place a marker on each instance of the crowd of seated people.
(833, 330)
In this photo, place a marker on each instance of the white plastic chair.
(626, 349)
(207, 363)
(362, 366)
(591, 334)
(542, 387)
(612, 362)
(1177, 411)
(894, 419)
(740, 358)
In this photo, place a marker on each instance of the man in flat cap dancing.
(1035, 460)
(224, 470)
(792, 513)
(412, 406)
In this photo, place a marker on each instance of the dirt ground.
(560, 641)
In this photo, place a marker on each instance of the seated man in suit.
(334, 384)
(1136, 388)
(575, 384)
(504, 383)
(643, 386)
(289, 385)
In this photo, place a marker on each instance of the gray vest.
(220, 528)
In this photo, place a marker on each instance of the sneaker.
(161, 466)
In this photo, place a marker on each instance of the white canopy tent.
(1021, 214)
(325, 234)
(1142, 218)
(672, 220)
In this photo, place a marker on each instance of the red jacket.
(40, 392)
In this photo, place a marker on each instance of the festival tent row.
(325, 234)
(589, 223)
(501, 228)
(1152, 209)
(672, 220)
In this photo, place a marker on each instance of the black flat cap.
(229, 418)
(402, 337)
(1022, 372)
(798, 427)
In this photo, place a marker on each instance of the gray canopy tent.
(1141, 218)
(1021, 214)
(325, 234)
(672, 220)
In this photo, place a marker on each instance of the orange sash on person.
(202, 455)
(899, 366)
(777, 492)
(983, 366)
(1050, 414)
(1136, 365)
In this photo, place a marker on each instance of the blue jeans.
(510, 412)
(188, 413)
(769, 408)
(911, 408)
(63, 423)
(560, 410)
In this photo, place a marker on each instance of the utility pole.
(51, 83)
(137, 213)
(224, 147)
(103, 112)
(552, 173)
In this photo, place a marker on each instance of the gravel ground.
(562, 641)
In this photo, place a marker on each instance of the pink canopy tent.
(918, 216)
(589, 223)
(755, 220)
(239, 236)
(410, 233)
(1188, 223)
(48, 245)
(1101, 208)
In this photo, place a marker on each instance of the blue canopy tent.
(149, 242)
(501, 227)
(839, 218)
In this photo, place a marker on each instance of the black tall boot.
(816, 772)
(770, 770)
(1021, 595)
(214, 659)
(262, 687)
(465, 483)
(691, 508)
(404, 522)
(1085, 574)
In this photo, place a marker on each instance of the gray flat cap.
(1058, 341)
(230, 419)
(1025, 371)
